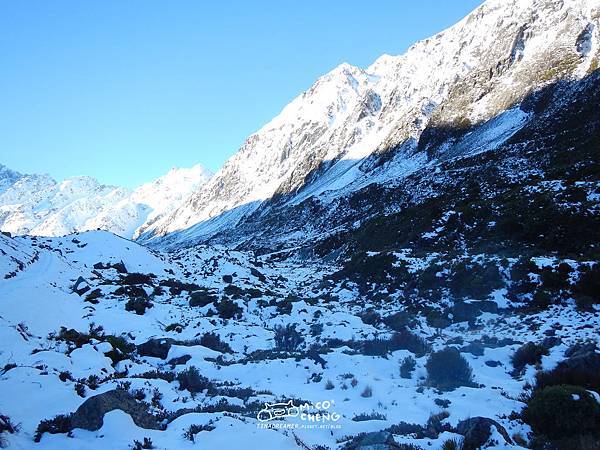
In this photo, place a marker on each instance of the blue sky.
(125, 90)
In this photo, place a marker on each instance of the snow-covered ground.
(42, 370)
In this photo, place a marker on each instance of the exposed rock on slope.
(334, 138)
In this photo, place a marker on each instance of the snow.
(351, 114)
(38, 205)
(38, 299)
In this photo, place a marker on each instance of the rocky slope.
(333, 139)
(39, 205)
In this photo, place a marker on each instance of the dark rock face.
(180, 360)
(90, 415)
(477, 431)
(157, 348)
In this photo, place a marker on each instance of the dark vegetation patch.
(138, 305)
(122, 348)
(287, 338)
(448, 369)
(528, 354)
(564, 416)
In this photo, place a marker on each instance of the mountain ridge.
(40, 205)
(351, 120)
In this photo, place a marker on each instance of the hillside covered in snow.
(471, 86)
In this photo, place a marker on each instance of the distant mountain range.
(39, 205)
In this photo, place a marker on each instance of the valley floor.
(259, 330)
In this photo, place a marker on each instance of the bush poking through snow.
(194, 429)
(58, 424)
(367, 393)
(145, 445)
(528, 354)
(329, 385)
(228, 309)
(448, 369)
(563, 414)
(287, 338)
(407, 367)
(191, 380)
(138, 305)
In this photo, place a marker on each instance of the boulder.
(157, 348)
(227, 279)
(378, 440)
(81, 286)
(256, 273)
(463, 311)
(477, 431)
(90, 415)
(180, 360)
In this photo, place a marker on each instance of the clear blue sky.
(125, 90)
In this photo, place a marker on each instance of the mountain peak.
(469, 73)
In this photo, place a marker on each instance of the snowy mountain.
(331, 139)
(39, 205)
